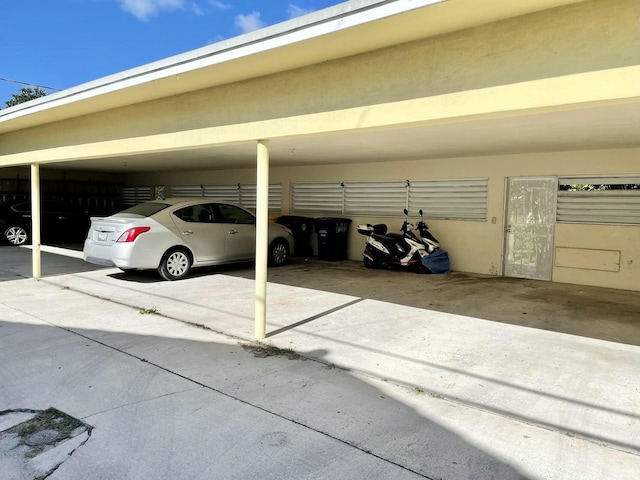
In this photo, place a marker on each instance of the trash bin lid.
(302, 224)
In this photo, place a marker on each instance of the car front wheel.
(175, 265)
(278, 253)
(16, 235)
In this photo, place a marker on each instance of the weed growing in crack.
(263, 350)
(148, 311)
(198, 325)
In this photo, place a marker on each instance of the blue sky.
(64, 43)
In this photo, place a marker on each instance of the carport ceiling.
(604, 127)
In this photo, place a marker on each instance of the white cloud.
(145, 9)
(219, 5)
(249, 23)
(295, 11)
(195, 8)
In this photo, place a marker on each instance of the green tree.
(25, 95)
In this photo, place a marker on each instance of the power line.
(29, 84)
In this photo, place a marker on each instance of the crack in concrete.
(144, 400)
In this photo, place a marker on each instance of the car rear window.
(144, 209)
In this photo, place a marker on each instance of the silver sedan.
(175, 234)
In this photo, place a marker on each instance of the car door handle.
(188, 232)
(233, 232)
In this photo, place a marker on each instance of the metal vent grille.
(135, 195)
(613, 200)
(317, 197)
(460, 199)
(248, 197)
(375, 198)
(238, 194)
(187, 191)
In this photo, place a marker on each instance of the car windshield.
(143, 210)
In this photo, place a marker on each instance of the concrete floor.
(601, 313)
(594, 312)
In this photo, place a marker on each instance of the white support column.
(35, 221)
(262, 238)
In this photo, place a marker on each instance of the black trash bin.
(302, 228)
(333, 234)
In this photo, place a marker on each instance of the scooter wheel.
(368, 263)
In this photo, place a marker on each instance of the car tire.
(16, 235)
(175, 264)
(278, 253)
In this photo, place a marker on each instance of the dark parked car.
(59, 221)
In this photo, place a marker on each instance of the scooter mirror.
(406, 212)
(420, 211)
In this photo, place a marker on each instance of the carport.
(242, 103)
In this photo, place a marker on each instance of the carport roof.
(345, 29)
(608, 119)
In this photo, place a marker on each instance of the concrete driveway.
(593, 312)
(474, 395)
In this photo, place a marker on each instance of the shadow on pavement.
(601, 313)
(299, 419)
(15, 263)
(595, 312)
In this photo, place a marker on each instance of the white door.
(531, 215)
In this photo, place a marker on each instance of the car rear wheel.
(278, 253)
(16, 235)
(175, 265)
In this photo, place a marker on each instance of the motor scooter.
(430, 242)
(405, 250)
(393, 250)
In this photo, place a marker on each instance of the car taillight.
(131, 234)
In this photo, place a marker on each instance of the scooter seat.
(380, 229)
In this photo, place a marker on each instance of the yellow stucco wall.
(474, 246)
(601, 255)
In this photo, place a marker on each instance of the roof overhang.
(346, 29)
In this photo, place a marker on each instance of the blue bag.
(437, 262)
